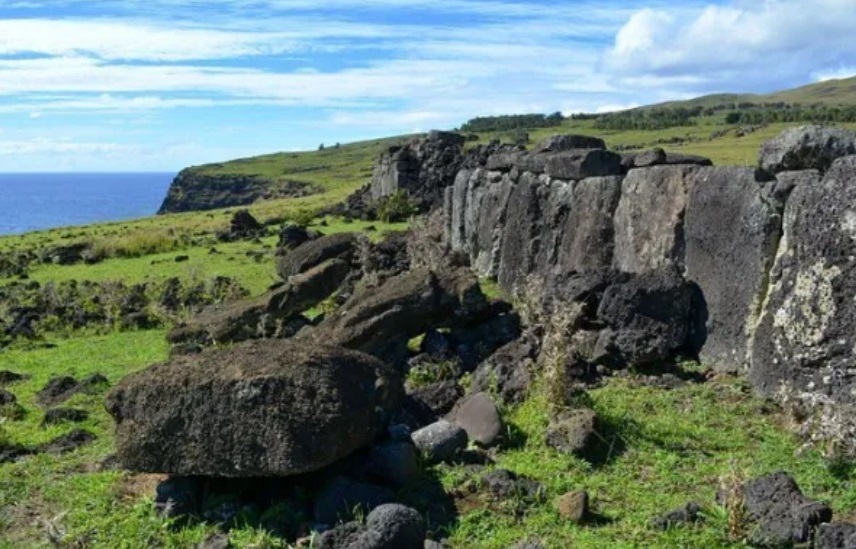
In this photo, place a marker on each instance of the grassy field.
(671, 446)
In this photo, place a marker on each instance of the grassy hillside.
(829, 92)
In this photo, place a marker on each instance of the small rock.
(68, 442)
(339, 500)
(178, 497)
(504, 484)
(398, 527)
(479, 417)
(574, 432)
(7, 377)
(440, 441)
(573, 506)
(685, 515)
(396, 463)
(216, 541)
(12, 452)
(59, 415)
(838, 535)
(435, 344)
(428, 403)
(7, 398)
(56, 390)
(182, 258)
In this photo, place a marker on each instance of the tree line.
(512, 122)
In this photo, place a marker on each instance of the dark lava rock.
(55, 416)
(68, 442)
(688, 514)
(178, 497)
(838, 535)
(340, 499)
(280, 409)
(574, 432)
(7, 377)
(506, 373)
(182, 258)
(576, 165)
(503, 484)
(11, 452)
(389, 526)
(440, 441)
(479, 417)
(428, 403)
(292, 236)
(57, 390)
(779, 512)
(568, 142)
(315, 252)
(806, 148)
(7, 398)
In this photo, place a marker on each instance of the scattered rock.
(340, 499)
(55, 416)
(291, 236)
(428, 403)
(7, 398)
(806, 148)
(503, 484)
(574, 432)
(182, 258)
(7, 377)
(440, 441)
(280, 409)
(59, 389)
(573, 506)
(12, 452)
(689, 514)
(506, 373)
(779, 512)
(68, 442)
(479, 417)
(389, 526)
(838, 535)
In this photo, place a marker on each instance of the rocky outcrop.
(314, 252)
(804, 338)
(422, 168)
(806, 148)
(262, 408)
(195, 190)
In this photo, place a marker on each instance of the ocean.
(30, 201)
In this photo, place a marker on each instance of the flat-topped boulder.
(260, 408)
(314, 252)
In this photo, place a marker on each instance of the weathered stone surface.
(732, 231)
(316, 252)
(7, 398)
(804, 337)
(574, 432)
(659, 157)
(779, 512)
(68, 442)
(422, 168)
(440, 441)
(507, 371)
(649, 220)
(647, 319)
(277, 408)
(403, 307)
(55, 416)
(428, 403)
(574, 165)
(806, 148)
(573, 506)
(687, 514)
(587, 238)
(523, 228)
(8, 377)
(394, 463)
(503, 484)
(838, 535)
(567, 142)
(479, 417)
(389, 526)
(264, 316)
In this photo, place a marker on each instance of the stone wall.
(771, 256)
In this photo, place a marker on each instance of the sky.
(158, 85)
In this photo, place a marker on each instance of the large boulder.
(313, 253)
(587, 238)
(403, 307)
(732, 230)
(806, 148)
(649, 220)
(574, 165)
(804, 337)
(261, 408)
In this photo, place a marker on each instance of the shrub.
(397, 207)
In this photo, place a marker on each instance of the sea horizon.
(34, 201)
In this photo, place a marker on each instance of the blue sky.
(129, 85)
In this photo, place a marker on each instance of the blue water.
(30, 202)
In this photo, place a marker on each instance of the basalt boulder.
(260, 408)
(315, 252)
(806, 148)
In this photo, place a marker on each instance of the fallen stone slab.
(260, 408)
(315, 252)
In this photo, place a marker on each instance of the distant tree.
(321, 147)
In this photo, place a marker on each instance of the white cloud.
(834, 74)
